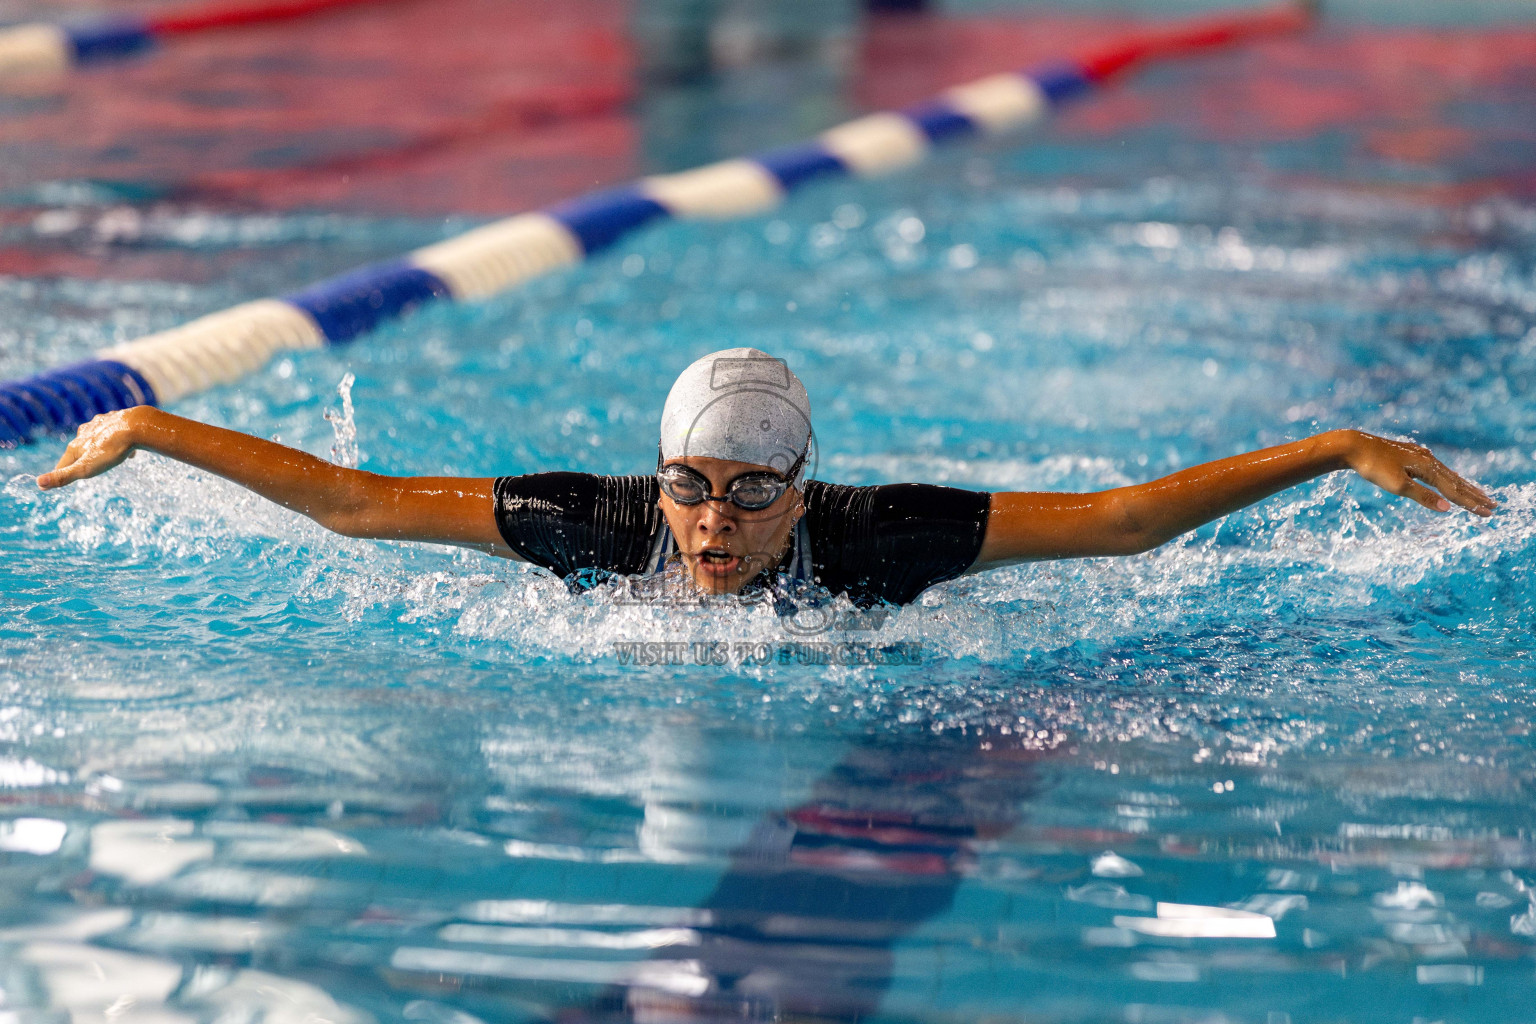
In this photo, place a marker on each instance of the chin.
(731, 584)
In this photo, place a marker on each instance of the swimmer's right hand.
(100, 445)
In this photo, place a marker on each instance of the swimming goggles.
(751, 492)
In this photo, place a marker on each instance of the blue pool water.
(253, 771)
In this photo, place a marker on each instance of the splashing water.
(344, 452)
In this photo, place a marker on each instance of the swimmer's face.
(725, 546)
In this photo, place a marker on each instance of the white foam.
(144, 851)
(88, 980)
(1182, 920)
(38, 836)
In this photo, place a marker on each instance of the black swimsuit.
(875, 544)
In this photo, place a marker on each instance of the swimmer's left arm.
(1024, 526)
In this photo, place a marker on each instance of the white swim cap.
(738, 404)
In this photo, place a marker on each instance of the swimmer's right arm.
(435, 510)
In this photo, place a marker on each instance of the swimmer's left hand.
(1404, 468)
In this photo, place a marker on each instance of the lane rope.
(225, 346)
(42, 49)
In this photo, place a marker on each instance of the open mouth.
(718, 561)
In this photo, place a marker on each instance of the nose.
(714, 519)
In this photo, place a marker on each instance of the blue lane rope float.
(223, 347)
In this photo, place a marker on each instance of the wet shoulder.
(570, 522)
(891, 542)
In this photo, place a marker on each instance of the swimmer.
(729, 507)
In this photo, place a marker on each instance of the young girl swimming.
(729, 504)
